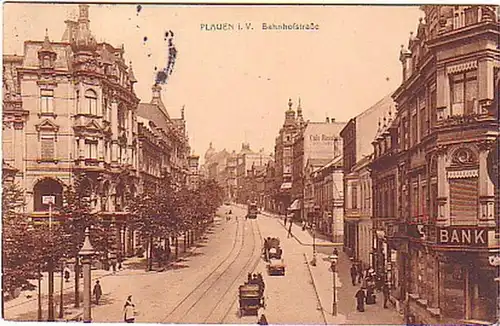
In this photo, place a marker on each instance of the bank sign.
(463, 236)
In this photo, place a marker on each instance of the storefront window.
(483, 295)
(454, 291)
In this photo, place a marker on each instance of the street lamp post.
(86, 254)
(61, 303)
(334, 259)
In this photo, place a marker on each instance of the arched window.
(42, 190)
(91, 102)
(121, 117)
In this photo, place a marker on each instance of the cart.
(276, 267)
(272, 248)
(251, 299)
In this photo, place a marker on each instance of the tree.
(17, 255)
(77, 215)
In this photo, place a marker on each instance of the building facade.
(70, 107)
(283, 155)
(433, 197)
(357, 149)
(314, 140)
(327, 182)
(248, 161)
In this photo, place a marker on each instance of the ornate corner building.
(434, 198)
(69, 108)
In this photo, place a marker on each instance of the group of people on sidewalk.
(370, 282)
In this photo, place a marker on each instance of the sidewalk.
(25, 306)
(303, 237)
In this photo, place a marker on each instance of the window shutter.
(47, 148)
(464, 200)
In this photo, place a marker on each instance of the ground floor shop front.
(435, 285)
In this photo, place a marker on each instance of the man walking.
(97, 292)
(290, 230)
(354, 274)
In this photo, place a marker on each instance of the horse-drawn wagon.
(251, 296)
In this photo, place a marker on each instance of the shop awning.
(286, 185)
(295, 205)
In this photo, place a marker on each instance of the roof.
(318, 161)
(332, 162)
(154, 113)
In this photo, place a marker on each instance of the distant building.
(314, 140)
(328, 216)
(283, 156)
(248, 160)
(357, 136)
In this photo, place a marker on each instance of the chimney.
(327, 120)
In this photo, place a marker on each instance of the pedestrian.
(97, 292)
(262, 320)
(385, 292)
(360, 300)
(370, 295)
(129, 310)
(290, 230)
(360, 273)
(66, 273)
(354, 274)
(335, 252)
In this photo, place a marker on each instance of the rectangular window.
(464, 201)
(47, 148)
(46, 101)
(91, 149)
(424, 202)
(414, 130)
(354, 196)
(464, 92)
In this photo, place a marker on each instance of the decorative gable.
(93, 126)
(47, 126)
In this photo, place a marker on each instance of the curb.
(331, 244)
(320, 306)
(330, 320)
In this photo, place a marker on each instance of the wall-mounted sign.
(463, 236)
(48, 200)
(322, 137)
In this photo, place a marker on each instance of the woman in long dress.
(129, 311)
(360, 300)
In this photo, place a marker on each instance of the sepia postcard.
(259, 163)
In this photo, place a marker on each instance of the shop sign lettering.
(321, 137)
(463, 236)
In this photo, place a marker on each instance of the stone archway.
(43, 188)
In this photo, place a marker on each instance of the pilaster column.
(486, 211)
(486, 85)
(443, 200)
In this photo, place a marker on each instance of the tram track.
(254, 265)
(181, 310)
(252, 261)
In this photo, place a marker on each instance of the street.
(202, 287)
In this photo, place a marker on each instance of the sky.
(235, 84)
